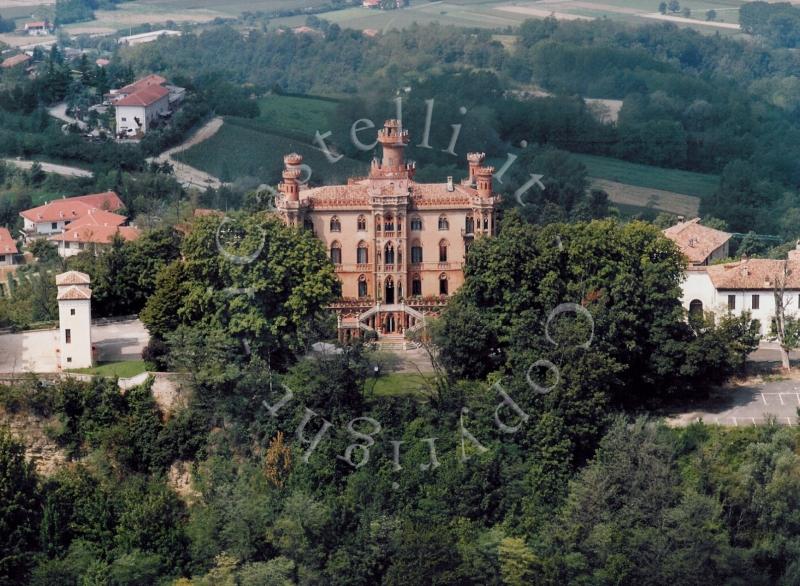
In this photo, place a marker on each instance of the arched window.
(388, 254)
(469, 225)
(336, 225)
(416, 252)
(416, 224)
(362, 286)
(443, 223)
(400, 219)
(362, 224)
(308, 224)
(388, 223)
(362, 253)
(378, 223)
(443, 251)
(336, 253)
(485, 222)
(416, 286)
(442, 284)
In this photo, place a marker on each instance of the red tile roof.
(144, 97)
(57, 211)
(145, 82)
(73, 278)
(7, 243)
(108, 200)
(15, 60)
(76, 292)
(36, 24)
(96, 217)
(695, 241)
(754, 273)
(72, 208)
(96, 234)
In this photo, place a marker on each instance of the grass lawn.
(686, 182)
(241, 151)
(123, 369)
(306, 115)
(396, 384)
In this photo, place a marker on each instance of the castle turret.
(393, 139)
(290, 187)
(474, 160)
(483, 181)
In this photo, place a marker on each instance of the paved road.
(36, 351)
(186, 174)
(60, 111)
(51, 168)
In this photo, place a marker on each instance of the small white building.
(74, 320)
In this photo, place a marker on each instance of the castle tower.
(74, 320)
(475, 160)
(393, 138)
(483, 180)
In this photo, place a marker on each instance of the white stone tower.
(74, 320)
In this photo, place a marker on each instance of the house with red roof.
(139, 105)
(8, 248)
(53, 217)
(88, 234)
(38, 28)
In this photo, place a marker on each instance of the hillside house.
(15, 61)
(39, 28)
(8, 248)
(140, 104)
(91, 233)
(52, 217)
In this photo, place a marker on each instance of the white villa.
(744, 285)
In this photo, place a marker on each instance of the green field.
(300, 114)
(685, 182)
(242, 149)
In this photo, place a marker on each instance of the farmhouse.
(38, 28)
(745, 285)
(53, 217)
(8, 248)
(140, 104)
(701, 245)
(398, 246)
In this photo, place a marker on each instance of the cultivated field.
(634, 197)
(669, 180)
(237, 151)
(300, 114)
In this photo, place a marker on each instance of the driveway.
(36, 351)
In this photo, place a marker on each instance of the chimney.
(474, 160)
(483, 181)
(450, 183)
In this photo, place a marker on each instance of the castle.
(398, 246)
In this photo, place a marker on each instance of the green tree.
(20, 511)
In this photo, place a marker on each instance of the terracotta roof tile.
(96, 234)
(144, 97)
(754, 273)
(107, 200)
(72, 278)
(7, 243)
(74, 292)
(695, 241)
